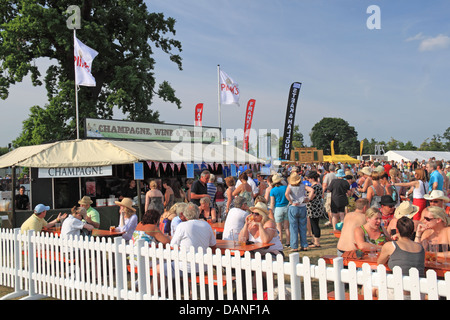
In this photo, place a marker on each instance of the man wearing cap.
(387, 210)
(37, 222)
(92, 217)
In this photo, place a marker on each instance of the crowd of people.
(386, 206)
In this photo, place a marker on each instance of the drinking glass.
(433, 248)
(445, 252)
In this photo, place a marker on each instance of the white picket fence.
(40, 265)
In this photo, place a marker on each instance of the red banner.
(248, 122)
(198, 114)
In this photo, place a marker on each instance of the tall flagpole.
(76, 86)
(218, 101)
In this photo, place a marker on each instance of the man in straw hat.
(92, 217)
(437, 198)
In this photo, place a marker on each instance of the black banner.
(289, 122)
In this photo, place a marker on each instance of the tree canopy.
(124, 33)
(337, 129)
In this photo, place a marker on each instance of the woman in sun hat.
(128, 218)
(297, 212)
(279, 206)
(259, 228)
(365, 181)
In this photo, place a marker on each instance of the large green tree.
(124, 33)
(339, 130)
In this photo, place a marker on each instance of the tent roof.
(340, 158)
(398, 155)
(92, 152)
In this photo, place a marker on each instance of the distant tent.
(343, 158)
(399, 155)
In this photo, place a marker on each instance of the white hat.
(436, 194)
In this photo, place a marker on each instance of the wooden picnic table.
(95, 232)
(350, 256)
(218, 226)
(242, 248)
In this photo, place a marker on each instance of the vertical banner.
(361, 146)
(290, 118)
(198, 114)
(248, 122)
(332, 148)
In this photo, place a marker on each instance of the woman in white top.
(297, 212)
(128, 218)
(418, 188)
(259, 228)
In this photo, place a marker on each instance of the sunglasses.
(428, 219)
(255, 213)
(436, 201)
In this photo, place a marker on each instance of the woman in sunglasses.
(258, 228)
(434, 228)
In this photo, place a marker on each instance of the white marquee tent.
(399, 155)
(92, 152)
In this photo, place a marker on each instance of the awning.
(91, 152)
(343, 158)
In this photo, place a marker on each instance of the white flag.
(83, 57)
(229, 90)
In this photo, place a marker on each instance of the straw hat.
(366, 170)
(294, 178)
(126, 202)
(276, 178)
(85, 200)
(437, 194)
(260, 207)
(406, 209)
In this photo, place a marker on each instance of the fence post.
(339, 289)
(140, 269)
(296, 289)
(119, 269)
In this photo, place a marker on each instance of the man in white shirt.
(236, 218)
(193, 232)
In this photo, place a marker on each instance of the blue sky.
(391, 82)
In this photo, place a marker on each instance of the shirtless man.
(352, 221)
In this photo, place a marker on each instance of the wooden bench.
(206, 278)
(60, 257)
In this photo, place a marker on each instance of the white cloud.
(439, 42)
(418, 36)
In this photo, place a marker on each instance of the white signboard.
(75, 172)
(119, 129)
